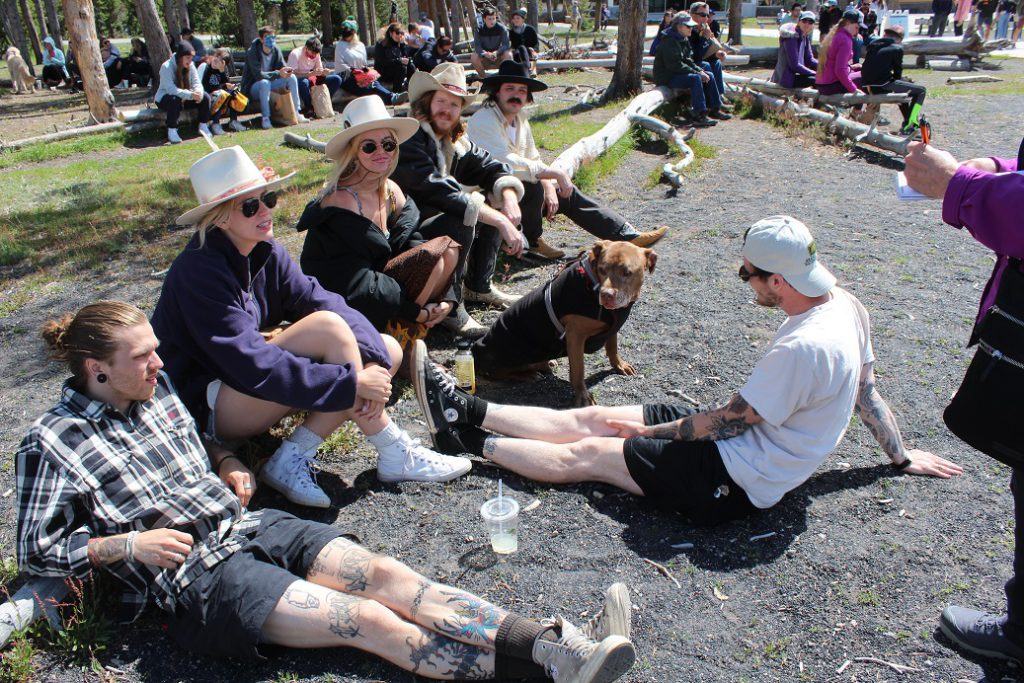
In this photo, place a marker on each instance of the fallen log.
(956, 80)
(672, 136)
(970, 47)
(305, 142)
(851, 130)
(150, 114)
(950, 65)
(36, 598)
(593, 146)
(64, 134)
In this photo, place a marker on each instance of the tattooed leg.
(344, 566)
(313, 616)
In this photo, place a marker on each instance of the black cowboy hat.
(511, 71)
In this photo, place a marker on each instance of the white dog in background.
(22, 77)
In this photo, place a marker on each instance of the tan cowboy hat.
(447, 76)
(368, 113)
(221, 176)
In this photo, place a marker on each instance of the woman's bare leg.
(440, 277)
(310, 615)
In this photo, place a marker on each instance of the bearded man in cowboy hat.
(446, 175)
(501, 127)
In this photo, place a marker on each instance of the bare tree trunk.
(85, 43)
(735, 22)
(629, 60)
(364, 33)
(532, 15)
(53, 22)
(41, 18)
(459, 30)
(156, 39)
(171, 18)
(445, 18)
(30, 28)
(371, 19)
(326, 22)
(503, 12)
(247, 18)
(551, 12)
(414, 11)
(15, 31)
(183, 17)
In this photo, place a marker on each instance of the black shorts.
(686, 476)
(221, 613)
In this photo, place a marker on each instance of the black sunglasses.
(252, 205)
(387, 144)
(701, 14)
(745, 274)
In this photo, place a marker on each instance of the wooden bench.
(923, 23)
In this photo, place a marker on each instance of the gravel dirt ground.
(856, 563)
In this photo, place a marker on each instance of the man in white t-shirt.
(723, 463)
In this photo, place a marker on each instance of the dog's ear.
(598, 248)
(652, 258)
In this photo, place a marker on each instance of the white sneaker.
(294, 474)
(217, 129)
(236, 126)
(301, 119)
(267, 125)
(614, 618)
(576, 658)
(173, 137)
(408, 460)
(495, 297)
(205, 128)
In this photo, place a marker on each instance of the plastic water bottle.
(465, 370)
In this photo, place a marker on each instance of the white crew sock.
(385, 437)
(305, 439)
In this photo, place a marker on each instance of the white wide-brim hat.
(447, 76)
(221, 176)
(368, 113)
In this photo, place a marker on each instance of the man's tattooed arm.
(106, 550)
(877, 417)
(732, 419)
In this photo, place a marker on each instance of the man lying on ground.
(501, 128)
(725, 463)
(114, 477)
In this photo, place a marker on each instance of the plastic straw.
(501, 506)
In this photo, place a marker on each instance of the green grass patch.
(1012, 84)
(61, 149)
(589, 175)
(8, 570)
(17, 661)
(701, 151)
(556, 129)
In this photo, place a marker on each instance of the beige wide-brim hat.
(368, 113)
(447, 76)
(221, 176)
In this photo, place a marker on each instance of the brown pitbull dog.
(580, 310)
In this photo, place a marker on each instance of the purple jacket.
(987, 204)
(795, 56)
(212, 307)
(837, 68)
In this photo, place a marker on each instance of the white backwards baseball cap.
(784, 245)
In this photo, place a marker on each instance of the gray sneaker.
(574, 658)
(979, 632)
(614, 618)
(462, 324)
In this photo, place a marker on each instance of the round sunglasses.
(252, 205)
(369, 147)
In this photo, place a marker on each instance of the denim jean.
(1003, 26)
(333, 82)
(261, 90)
(702, 95)
(349, 85)
(714, 67)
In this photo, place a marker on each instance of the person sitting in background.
(491, 46)
(54, 72)
(115, 479)
(675, 68)
(795, 10)
(391, 58)
(113, 65)
(179, 88)
(882, 72)
(666, 23)
(524, 40)
(138, 70)
(231, 283)
(708, 51)
(197, 44)
(216, 83)
(426, 26)
(350, 63)
(308, 68)
(434, 53)
(502, 129)
(447, 176)
(835, 73)
(414, 39)
(796, 66)
(265, 71)
(363, 240)
(828, 17)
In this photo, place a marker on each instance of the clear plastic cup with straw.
(501, 515)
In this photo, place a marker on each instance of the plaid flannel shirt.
(85, 470)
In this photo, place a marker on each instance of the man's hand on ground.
(239, 479)
(925, 463)
(165, 548)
